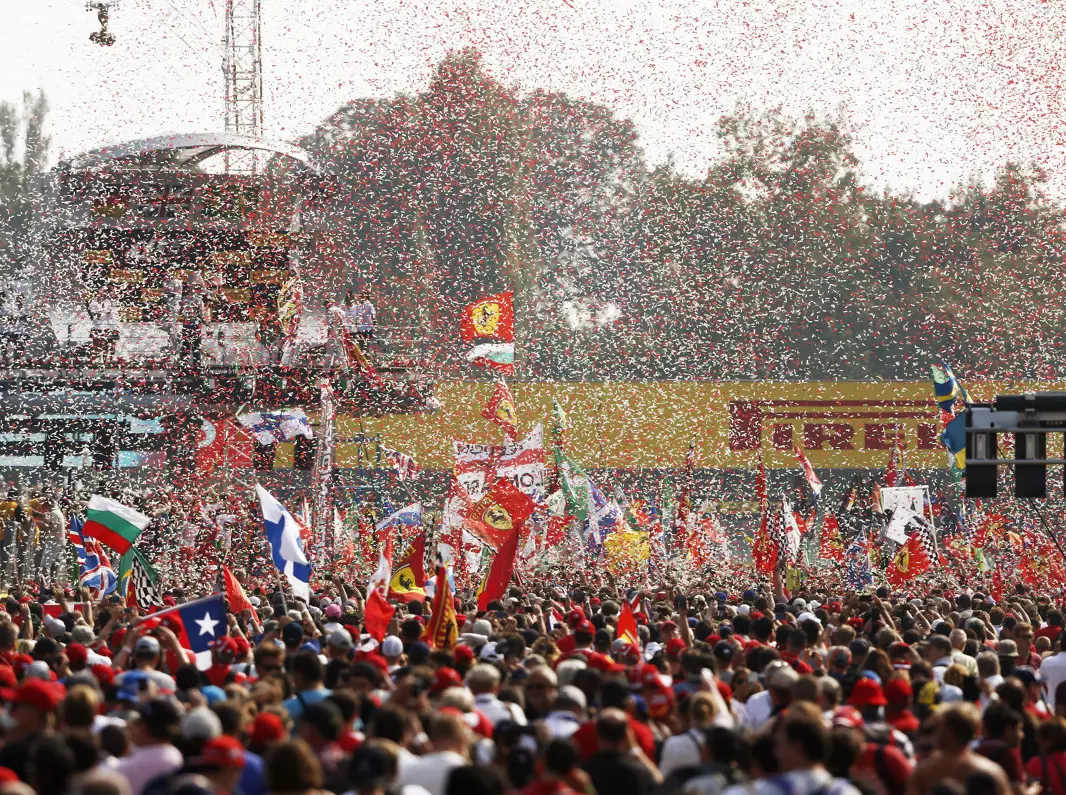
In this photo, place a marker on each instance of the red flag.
(892, 470)
(408, 580)
(832, 546)
(764, 547)
(224, 442)
(235, 595)
(556, 535)
(494, 586)
(910, 562)
(491, 317)
(501, 410)
(761, 493)
(442, 631)
(378, 615)
(809, 475)
(627, 626)
(499, 514)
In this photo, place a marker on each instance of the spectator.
(620, 765)
(361, 316)
(449, 738)
(152, 734)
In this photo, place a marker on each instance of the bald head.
(612, 726)
(958, 639)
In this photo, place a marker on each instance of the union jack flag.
(94, 569)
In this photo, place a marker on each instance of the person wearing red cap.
(33, 710)
(868, 697)
(221, 761)
(224, 652)
(579, 641)
(267, 730)
(898, 698)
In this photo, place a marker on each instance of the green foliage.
(23, 154)
(777, 263)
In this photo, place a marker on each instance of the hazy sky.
(936, 90)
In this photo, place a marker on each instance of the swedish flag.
(947, 388)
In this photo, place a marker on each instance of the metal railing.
(152, 345)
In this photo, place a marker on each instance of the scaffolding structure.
(242, 67)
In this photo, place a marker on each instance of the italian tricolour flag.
(113, 523)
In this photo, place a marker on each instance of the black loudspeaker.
(1030, 480)
(980, 478)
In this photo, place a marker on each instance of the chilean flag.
(197, 624)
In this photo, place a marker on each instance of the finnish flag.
(282, 425)
(286, 546)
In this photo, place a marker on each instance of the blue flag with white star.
(197, 624)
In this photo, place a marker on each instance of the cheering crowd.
(557, 688)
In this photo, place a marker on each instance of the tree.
(23, 154)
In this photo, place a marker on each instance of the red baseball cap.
(445, 678)
(463, 654)
(38, 693)
(675, 646)
(867, 693)
(898, 690)
(223, 751)
(585, 626)
(266, 728)
(575, 616)
(77, 653)
(668, 625)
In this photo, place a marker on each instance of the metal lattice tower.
(242, 66)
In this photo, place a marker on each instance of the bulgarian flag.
(113, 523)
(497, 356)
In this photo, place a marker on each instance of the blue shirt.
(253, 779)
(305, 698)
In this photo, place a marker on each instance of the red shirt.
(349, 741)
(904, 722)
(876, 760)
(797, 664)
(587, 743)
(1010, 759)
(1049, 771)
(548, 788)
(1050, 632)
(566, 644)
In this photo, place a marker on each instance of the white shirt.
(103, 314)
(562, 723)
(759, 708)
(796, 782)
(496, 710)
(145, 763)
(1053, 669)
(361, 316)
(966, 661)
(431, 771)
(681, 751)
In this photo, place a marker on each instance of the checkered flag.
(920, 525)
(137, 580)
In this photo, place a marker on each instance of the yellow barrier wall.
(650, 425)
